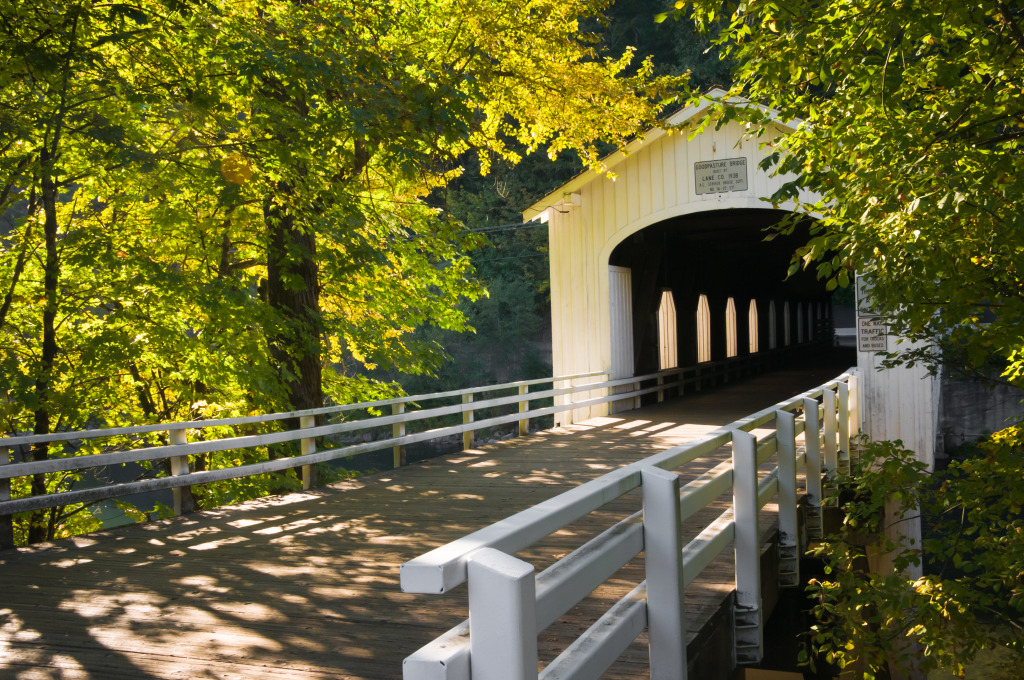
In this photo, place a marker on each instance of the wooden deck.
(306, 586)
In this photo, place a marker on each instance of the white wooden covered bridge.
(574, 541)
(663, 260)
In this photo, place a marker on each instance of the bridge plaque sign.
(719, 177)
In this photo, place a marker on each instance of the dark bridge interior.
(721, 254)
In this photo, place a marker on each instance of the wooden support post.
(6, 521)
(747, 545)
(812, 447)
(502, 617)
(844, 428)
(663, 557)
(524, 406)
(855, 424)
(179, 466)
(789, 530)
(307, 446)
(831, 461)
(398, 430)
(567, 399)
(467, 418)
(661, 388)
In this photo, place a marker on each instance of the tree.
(219, 208)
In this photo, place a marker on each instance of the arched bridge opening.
(711, 286)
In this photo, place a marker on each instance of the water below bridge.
(306, 586)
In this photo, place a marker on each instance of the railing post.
(524, 406)
(789, 530)
(661, 390)
(6, 521)
(502, 617)
(307, 446)
(747, 545)
(468, 437)
(855, 424)
(179, 466)
(844, 428)
(831, 462)
(663, 553)
(398, 430)
(812, 474)
(567, 399)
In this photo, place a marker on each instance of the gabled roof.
(712, 97)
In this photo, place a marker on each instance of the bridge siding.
(306, 586)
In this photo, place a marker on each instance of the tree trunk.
(293, 292)
(40, 528)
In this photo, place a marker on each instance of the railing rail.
(595, 389)
(485, 559)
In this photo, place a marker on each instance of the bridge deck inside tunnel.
(306, 585)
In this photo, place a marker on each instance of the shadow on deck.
(306, 586)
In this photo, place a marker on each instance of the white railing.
(509, 605)
(180, 452)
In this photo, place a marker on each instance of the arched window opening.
(668, 351)
(773, 331)
(730, 329)
(752, 326)
(703, 330)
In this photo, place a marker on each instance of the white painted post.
(789, 530)
(467, 417)
(502, 617)
(179, 466)
(524, 406)
(307, 446)
(855, 424)
(663, 556)
(747, 545)
(812, 447)
(567, 415)
(831, 462)
(844, 428)
(398, 430)
(6, 521)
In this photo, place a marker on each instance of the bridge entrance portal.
(707, 286)
(661, 259)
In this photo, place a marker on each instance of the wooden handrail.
(446, 567)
